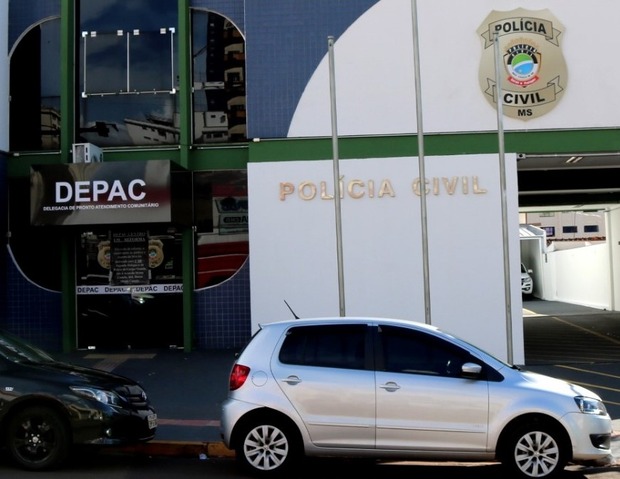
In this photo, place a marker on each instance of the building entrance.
(129, 289)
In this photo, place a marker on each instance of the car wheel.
(268, 447)
(536, 450)
(37, 438)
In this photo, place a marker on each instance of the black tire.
(268, 447)
(37, 438)
(536, 450)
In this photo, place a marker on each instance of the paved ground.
(188, 388)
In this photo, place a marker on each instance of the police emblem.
(533, 70)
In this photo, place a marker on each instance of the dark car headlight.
(102, 395)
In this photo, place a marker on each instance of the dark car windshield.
(16, 350)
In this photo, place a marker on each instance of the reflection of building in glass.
(219, 80)
(50, 128)
(153, 131)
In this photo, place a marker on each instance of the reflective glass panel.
(35, 89)
(128, 80)
(218, 72)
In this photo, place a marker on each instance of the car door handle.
(292, 380)
(390, 386)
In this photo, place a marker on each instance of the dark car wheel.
(37, 438)
(536, 450)
(268, 447)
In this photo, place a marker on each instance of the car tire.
(268, 447)
(37, 438)
(536, 449)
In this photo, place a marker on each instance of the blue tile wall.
(32, 313)
(285, 41)
(222, 313)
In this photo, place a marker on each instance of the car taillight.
(238, 375)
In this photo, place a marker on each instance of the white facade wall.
(579, 276)
(375, 73)
(293, 244)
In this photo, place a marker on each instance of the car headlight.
(590, 406)
(101, 395)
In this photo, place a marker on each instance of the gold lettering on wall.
(357, 188)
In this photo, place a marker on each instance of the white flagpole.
(422, 174)
(499, 101)
(332, 91)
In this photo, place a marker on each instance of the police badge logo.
(533, 70)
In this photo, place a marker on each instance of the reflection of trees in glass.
(218, 63)
(35, 89)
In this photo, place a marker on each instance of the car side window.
(416, 352)
(331, 346)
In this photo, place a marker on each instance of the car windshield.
(16, 350)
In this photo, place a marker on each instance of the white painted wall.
(583, 272)
(293, 245)
(375, 74)
(580, 276)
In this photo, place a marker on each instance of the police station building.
(175, 173)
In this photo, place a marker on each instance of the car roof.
(348, 320)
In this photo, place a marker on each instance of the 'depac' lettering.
(99, 190)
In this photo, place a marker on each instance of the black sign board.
(129, 258)
(118, 192)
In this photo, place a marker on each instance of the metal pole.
(499, 101)
(421, 168)
(332, 94)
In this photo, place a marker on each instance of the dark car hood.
(72, 374)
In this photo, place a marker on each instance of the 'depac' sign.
(100, 193)
(532, 70)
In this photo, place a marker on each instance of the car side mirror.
(471, 370)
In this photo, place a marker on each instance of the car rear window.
(331, 346)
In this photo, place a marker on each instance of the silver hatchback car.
(399, 390)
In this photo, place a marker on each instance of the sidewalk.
(186, 389)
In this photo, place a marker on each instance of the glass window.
(128, 73)
(406, 351)
(36, 251)
(221, 219)
(569, 229)
(218, 74)
(333, 346)
(35, 89)
(590, 229)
